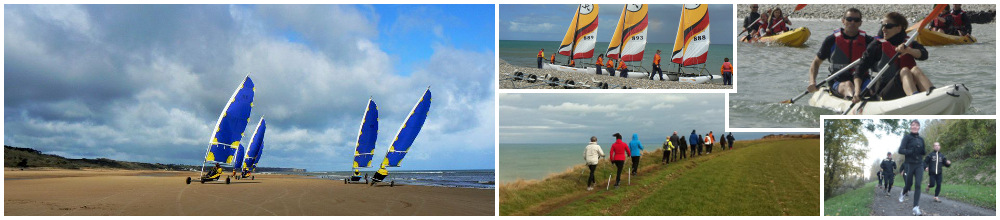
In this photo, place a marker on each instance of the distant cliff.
(18, 157)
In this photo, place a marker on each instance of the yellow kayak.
(928, 37)
(792, 38)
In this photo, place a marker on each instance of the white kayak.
(947, 100)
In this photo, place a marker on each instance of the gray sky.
(147, 82)
(549, 22)
(573, 118)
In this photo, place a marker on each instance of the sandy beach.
(55, 192)
(615, 82)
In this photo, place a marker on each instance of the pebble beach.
(870, 12)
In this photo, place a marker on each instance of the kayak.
(928, 37)
(947, 100)
(792, 38)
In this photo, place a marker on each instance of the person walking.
(676, 142)
(667, 147)
(912, 146)
(636, 150)
(619, 152)
(888, 172)
(934, 161)
(694, 139)
(684, 148)
(730, 140)
(592, 155)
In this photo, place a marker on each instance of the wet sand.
(123, 192)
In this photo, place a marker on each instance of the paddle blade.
(800, 6)
(786, 102)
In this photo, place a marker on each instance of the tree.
(845, 147)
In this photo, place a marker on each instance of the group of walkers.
(674, 148)
(915, 163)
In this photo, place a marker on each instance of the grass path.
(774, 177)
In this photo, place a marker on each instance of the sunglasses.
(889, 25)
(852, 19)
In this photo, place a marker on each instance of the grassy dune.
(760, 177)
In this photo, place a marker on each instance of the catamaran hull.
(592, 71)
(697, 79)
(948, 100)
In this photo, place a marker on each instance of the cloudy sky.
(147, 82)
(549, 22)
(573, 118)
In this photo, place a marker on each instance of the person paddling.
(934, 163)
(912, 146)
(619, 152)
(961, 24)
(880, 52)
(750, 23)
(943, 22)
(842, 47)
(778, 23)
(592, 155)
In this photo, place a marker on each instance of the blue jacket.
(694, 139)
(635, 146)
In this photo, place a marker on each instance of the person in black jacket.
(674, 139)
(730, 139)
(750, 22)
(912, 147)
(934, 161)
(684, 148)
(888, 172)
(879, 176)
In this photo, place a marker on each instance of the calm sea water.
(769, 74)
(524, 53)
(482, 179)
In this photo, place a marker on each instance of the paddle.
(797, 8)
(820, 83)
(893, 59)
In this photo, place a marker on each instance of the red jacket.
(619, 151)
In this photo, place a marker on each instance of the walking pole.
(629, 176)
(609, 183)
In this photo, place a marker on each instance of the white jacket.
(593, 153)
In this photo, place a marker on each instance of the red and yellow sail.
(582, 33)
(691, 45)
(629, 40)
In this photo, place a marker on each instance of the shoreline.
(871, 12)
(40, 191)
(615, 82)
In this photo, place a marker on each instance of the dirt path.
(890, 205)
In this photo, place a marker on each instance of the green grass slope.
(760, 177)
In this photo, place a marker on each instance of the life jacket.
(621, 65)
(600, 61)
(572, 62)
(762, 27)
(541, 54)
(611, 64)
(939, 24)
(845, 51)
(726, 67)
(778, 26)
(888, 50)
(956, 19)
(656, 59)
(553, 59)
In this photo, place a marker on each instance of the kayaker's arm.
(813, 71)
(822, 54)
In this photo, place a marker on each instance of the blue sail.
(365, 148)
(238, 162)
(408, 132)
(256, 147)
(233, 120)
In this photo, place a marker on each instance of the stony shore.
(871, 12)
(614, 82)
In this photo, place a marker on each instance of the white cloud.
(531, 27)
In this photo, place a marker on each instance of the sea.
(767, 75)
(525, 53)
(479, 179)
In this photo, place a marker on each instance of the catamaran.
(629, 40)
(691, 44)
(404, 139)
(228, 131)
(248, 166)
(365, 147)
(580, 39)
